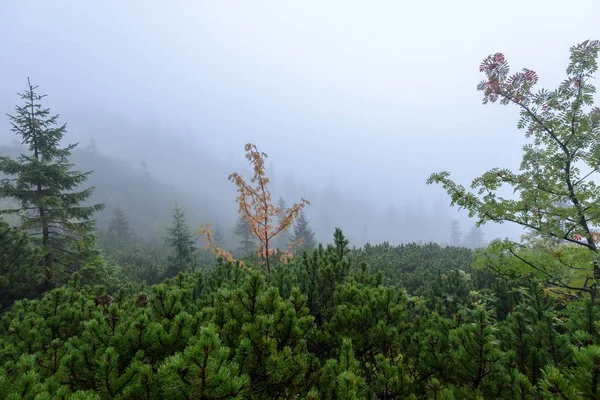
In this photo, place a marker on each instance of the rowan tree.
(555, 189)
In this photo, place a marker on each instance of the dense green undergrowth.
(323, 326)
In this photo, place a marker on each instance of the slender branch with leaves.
(556, 194)
(255, 205)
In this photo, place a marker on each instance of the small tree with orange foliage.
(255, 206)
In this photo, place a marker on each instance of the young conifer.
(182, 241)
(247, 243)
(303, 233)
(120, 232)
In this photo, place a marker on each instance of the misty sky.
(375, 94)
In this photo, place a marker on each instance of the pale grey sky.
(378, 94)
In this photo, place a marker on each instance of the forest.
(98, 300)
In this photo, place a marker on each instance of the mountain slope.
(146, 200)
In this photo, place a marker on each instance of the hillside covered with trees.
(100, 299)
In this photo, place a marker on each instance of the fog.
(356, 103)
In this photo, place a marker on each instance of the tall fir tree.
(43, 183)
(182, 242)
(304, 233)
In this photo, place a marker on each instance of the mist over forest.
(357, 138)
(148, 181)
(184, 168)
(354, 126)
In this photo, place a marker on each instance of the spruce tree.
(303, 231)
(45, 186)
(474, 238)
(246, 241)
(455, 234)
(182, 242)
(120, 232)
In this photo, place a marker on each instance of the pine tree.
(455, 234)
(303, 233)
(270, 335)
(44, 185)
(120, 232)
(246, 241)
(341, 243)
(319, 272)
(203, 370)
(341, 378)
(474, 350)
(182, 242)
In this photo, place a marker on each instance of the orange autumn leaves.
(255, 205)
(206, 231)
